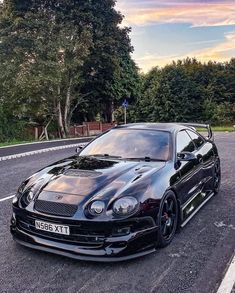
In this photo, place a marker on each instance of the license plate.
(53, 228)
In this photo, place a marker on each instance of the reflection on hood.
(102, 178)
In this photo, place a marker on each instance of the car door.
(205, 154)
(190, 171)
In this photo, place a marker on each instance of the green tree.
(145, 105)
(46, 43)
(170, 94)
(64, 58)
(188, 90)
(110, 72)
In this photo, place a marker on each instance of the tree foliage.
(188, 91)
(109, 72)
(68, 61)
(61, 57)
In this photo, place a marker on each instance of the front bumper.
(90, 247)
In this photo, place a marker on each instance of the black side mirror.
(186, 157)
(79, 149)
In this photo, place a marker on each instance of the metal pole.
(125, 115)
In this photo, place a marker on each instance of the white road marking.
(174, 255)
(16, 156)
(222, 224)
(229, 279)
(46, 141)
(7, 198)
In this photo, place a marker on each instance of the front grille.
(55, 208)
(79, 234)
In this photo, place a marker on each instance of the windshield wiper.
(106, 156)
(146, 159)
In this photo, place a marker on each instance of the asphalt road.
(195, 261)
(29, 147)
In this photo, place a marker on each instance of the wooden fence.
(86, 129)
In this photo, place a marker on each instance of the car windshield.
(131, 144)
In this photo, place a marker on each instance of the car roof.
(170, 127)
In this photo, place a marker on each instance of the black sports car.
(121, 196)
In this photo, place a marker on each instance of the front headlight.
(125, 206)
(27, 195)
(19, 193)
(97, 208)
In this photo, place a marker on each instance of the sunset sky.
(166, 30)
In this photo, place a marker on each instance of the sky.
(166, 30)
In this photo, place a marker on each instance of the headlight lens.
(97, 208)
(125, 206)
(19, 193)
(28, 195)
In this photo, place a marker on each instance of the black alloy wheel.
(167, 219)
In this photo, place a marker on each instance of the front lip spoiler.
(108, 253)
(85, 257)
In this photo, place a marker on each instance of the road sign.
(125, 104)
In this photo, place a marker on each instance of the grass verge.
(223, 128)
(218, 129)
(13, 142)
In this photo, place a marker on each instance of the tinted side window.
(197, 139)
(184, 142)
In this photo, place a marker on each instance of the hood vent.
(81, 173)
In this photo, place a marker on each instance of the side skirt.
(194, 209)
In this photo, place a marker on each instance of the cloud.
(197, 13)
(148, 61)
(220, 52)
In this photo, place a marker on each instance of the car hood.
(78, 180)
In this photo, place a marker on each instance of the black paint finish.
(78, 181)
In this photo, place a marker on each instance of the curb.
(46, 141)
(228, 281)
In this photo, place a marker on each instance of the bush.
(219, 114)
(11, 129)
(225, 113)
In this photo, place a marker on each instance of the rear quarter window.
(184, 142)
(196, 138)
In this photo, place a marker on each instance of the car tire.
(167, 219)
(217, 176)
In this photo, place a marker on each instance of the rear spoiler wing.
(210, 135)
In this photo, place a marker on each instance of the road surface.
(196, 260)
(29, 147)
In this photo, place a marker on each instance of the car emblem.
(59, 197)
